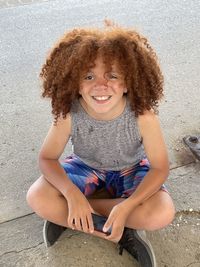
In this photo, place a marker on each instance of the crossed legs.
(155, 213)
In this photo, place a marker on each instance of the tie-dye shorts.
(118, 183)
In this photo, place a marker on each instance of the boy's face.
(102, 91)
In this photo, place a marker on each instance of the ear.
(125, 90)
(80, 91)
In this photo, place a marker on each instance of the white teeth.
(101, 97)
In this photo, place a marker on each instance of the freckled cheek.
(122, 84)
(119, 86)
(84, 88)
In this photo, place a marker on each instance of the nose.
(102, 82)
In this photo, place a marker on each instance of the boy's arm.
(156, 152)
(157, 155)
(79, 209)
(51, 150)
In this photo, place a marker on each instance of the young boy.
(104, 86)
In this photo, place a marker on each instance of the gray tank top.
(106, 145)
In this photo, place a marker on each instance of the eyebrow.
(111, 68)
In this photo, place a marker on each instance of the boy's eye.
(88, 77)
(112, 76)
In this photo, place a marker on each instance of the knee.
(40, 195)
(36, 195)
(162, 217)
(32, 197)
(167, 215)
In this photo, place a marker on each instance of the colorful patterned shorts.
(118, 183)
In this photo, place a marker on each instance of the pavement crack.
(183, 165)
(19, 251)
(190, 264)
(188, 212)
(16, 218)
(71, 235)
(19, 3)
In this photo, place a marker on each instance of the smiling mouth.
(101, 98)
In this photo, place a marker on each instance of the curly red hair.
(78, 48)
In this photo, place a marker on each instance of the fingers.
(84, 223)
(116, 234)
(108, 224)
(90, 223)
(71, 222)
(87, 224)
(78, 224)
(117, 229)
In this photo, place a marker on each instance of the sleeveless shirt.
(106, 145)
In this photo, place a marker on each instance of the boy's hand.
(116, 220)
(79, 211)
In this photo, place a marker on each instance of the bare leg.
(49, 204)
(155, 213)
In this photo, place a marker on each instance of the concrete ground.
(27, 30)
